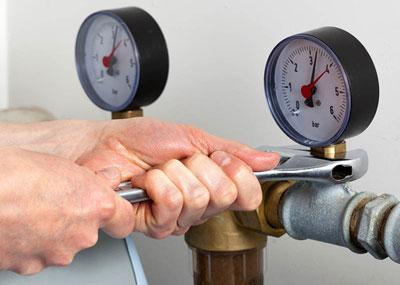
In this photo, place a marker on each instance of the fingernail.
(275, 157)
(221, 158)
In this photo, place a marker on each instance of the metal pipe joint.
(362, 222)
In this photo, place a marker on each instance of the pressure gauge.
(122, 59)
(321, 86)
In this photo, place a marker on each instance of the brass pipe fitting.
(223, 234)
(266, 219)
(333, 152)
(273, 196)
(235, 231)
(127, 114)
(228, 248)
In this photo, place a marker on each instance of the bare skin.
(188, 174)
(51, 208)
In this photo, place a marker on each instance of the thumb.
(111, 175)
(257, 160)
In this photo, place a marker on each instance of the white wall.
(3, 55)
(218, 50)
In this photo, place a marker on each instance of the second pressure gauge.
(321, 86)
(122, 59)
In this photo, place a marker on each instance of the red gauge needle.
(306, 90)
(108, 58)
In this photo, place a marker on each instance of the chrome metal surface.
(296, 164)
(133, 195)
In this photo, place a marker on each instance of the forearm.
(68, 139)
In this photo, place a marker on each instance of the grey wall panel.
(106, 263)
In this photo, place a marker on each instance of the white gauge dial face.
(110, 61)
(311, 90)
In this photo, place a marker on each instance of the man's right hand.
(51, 208)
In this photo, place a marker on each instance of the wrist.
(68, 139)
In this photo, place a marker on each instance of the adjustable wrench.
(296, 164)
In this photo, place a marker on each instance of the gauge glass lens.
(110, 62)
(309, 93)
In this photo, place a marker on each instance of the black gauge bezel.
(360, 77)
(151, 55)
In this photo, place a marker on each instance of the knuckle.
(79, 239)
(159, 235)
(64, 260)
(88, 240)
(173, 200)
(199, 199)
(242, 174)
(153, 177)
(238, 171)
(172, 165)
(180, 231)
(92, 241)
(251, 202)
(170, 196)
(200, 222)
(29, 268)
(154, 174)
(227, 194)
(256, 201)
(108, 207)
(123, 231)
(162, 230)
(123, 234)
(195, 159)
(249, 192)
(60, 259)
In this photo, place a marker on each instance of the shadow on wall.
(25, 115)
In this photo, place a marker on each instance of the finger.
(158, 218)
(195, 194)
(249, 189)
(200, 222)
(122, 222)
(117, 214)
(115, 155)
(179, 231)
(112, 175)
(257, 160)
(28, 266)
(60, 256)
(222, 190)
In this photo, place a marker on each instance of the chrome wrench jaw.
(296, 164)
(300, 165)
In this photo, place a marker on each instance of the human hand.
(51, 208)
(188, 174)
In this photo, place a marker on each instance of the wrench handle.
(134, 195)
(137, 195)
(131, 194)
